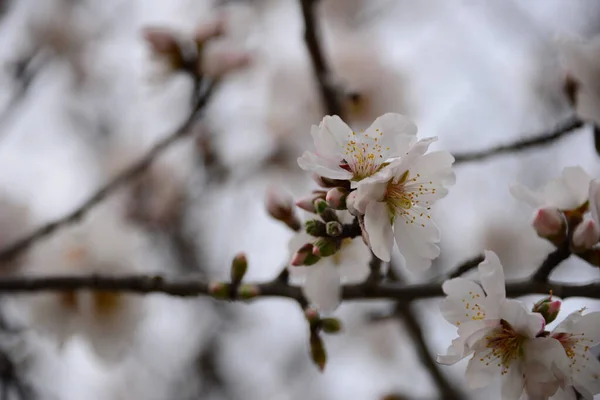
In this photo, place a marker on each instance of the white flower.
(322, 281)
(342, 153)
(396, 205)
(102, 244)
(577, 334)
(567, 192)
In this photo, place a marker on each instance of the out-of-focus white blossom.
(102, 244)
(342, 153)
(567, 192)
(396, 204)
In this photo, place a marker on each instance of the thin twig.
(13, 250)
(563, 129)
(466, 266)
(323, 74)
(192, 287)
(551, 262)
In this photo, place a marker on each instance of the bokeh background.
(81, 97)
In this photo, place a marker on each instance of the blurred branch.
(551, 262)
(192, 287)
(542, 139)
(13, 250)
(465, 267)
(323, 74)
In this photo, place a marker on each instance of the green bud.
(331, 325)
(325, 247)
(315, 228)
(317, 351)
(320, 205)
(248, 291)
(311, 315)
(548, 308)
(334, 228)
(239, 266)
(219, 290)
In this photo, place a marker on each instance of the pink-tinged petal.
(594, 197)
(322, 286)
(492, 276)
(394, 131)
(520, 318)
(330, 137)
(323, 167)
(435, 166)
(527, 195)
(578, 181)
(512, 382)
(379, 229)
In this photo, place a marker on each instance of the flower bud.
(325, 247)
(239, 266)
(246, 292)
(279, 206)
(586, 235)
(320, 205)
(219, 290)
(331, 325)
(548, 222)
(308, 203)
(325, 212)
(304, 256)
(336, 198)
(334, 228)
(315, 228)
(311, 315)
(548, 308)
(317, 351)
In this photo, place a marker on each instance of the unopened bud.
(219, 290)
(246, 292)
(164, 44)
(317, 351)
(325, 212)
(334, 228)
(239, 266)
(315, 228)
(325, 247)
(280, 206)
(336, 198)
(304, 256)
(350, 203)
(320, 205)
(548, 308)
(312, 315)
(308, 203)
(548, 222)
(586, 235)
(331, 325)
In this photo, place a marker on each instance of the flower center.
(398, 199)
(505, 346)
(364, 156)
(569, 342)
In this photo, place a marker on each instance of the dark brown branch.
(466, 266)
(551, 262)
(563, 129)
(323, 74)
(192, 287)
(13, 250)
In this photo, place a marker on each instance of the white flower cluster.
(386, 180)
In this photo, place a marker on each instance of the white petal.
(322, 286)
(527, 195)
(394, 131)
(579, 182)
(416, 241)
(589, 325)
(435, 166)
(456, 352)
(367, 193)
(411, 157)
(480, 374)
(321, 166)
(586, 371)
(464, 302)
(512, 382)
(594, 197)
(354, 261)
(492, 276)
(330, 137)
(379, 229)
(520, 318)
(567, 324)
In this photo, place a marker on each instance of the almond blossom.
(577, 334)
(342, 153)
(396, 205)
(321, 282)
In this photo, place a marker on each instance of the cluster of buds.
(318, 325)
(188, 54)
(235, 289)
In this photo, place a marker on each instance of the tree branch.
(542, 139)
(190, 286)
(323, 74)
(552, 261)
(466, 266)
(13, 250)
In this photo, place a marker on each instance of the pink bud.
(586, 234)
(548, 222)
(308, 203)
(279, 206)
(554, 307)
(336, 198)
